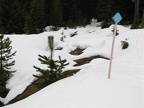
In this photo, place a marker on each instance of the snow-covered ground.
(90, 87)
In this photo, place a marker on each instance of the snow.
(90, 87)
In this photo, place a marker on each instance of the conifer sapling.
(54, 71)
(5, 63)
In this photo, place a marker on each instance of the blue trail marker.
(116, 18)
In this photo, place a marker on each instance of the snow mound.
(89, 88)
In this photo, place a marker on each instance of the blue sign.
(117, 18)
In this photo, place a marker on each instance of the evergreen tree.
(18, 18)
(142, 22)
(136, 15)
(76, 14)
(29, 27)
(5, 64)
(104, 10)
(11, 16)
(107, 8)
(39, 14)
(54, 71)
(141, 8)
(56, 16)
(126, 10)
(36, 17)
(88, 8)
(5, 16)
(47, 8)
(31, 16)
(66, 10)
(0, 18)
(72, 13)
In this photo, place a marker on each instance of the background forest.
(32, 16)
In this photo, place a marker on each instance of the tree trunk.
(143, 18)
(142, 21)
(136, 15)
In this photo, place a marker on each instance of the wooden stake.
(112, 49)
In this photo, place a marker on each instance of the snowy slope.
(89, 88)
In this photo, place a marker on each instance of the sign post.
(116, 18)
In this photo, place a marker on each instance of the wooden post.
(116, 18)
(112, 50)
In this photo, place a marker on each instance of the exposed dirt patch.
(77, 51)
(87, 60)
(60, 48)
(31, 89)
(74, 71)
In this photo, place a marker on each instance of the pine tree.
(31, 16)
(54, 71)
(0, 19)
(47, 10)
(104, 10)
(5, 18)
(56, 16)
(125, 8)
(5, 63)
(76, 14)
(136, 15)
(17, 15)
(66, 10)
(11, 16)
(29, 26)
(35, 19)
(39, 14)
(141, 13)
(142, 22)
(88, 8)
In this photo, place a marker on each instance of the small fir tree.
(5, 64)
(54, 71)
(63, 36)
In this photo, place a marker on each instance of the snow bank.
(89, 88)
